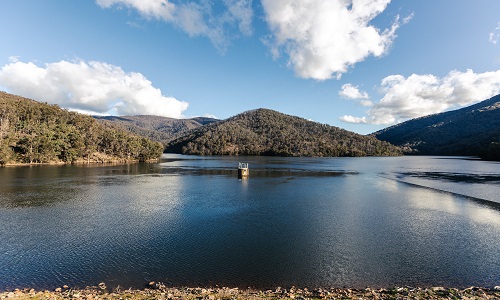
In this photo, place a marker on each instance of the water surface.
(189, 221)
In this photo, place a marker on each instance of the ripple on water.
(310, 222)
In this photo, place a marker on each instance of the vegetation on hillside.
(156, 128)
(267, 132)
(34, 132)
(473, 130)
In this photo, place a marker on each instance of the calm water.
(188, 221)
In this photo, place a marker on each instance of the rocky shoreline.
(160, 291)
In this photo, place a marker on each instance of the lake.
(307, 222)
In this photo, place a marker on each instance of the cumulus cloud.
(495, 35)
(355, 120)
(196, 18)
(91, 87)
(419, 95)
(350, 91)
(323, 38)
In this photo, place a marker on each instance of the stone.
(58, 290)
(497, 288)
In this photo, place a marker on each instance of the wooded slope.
(473, 130)
(34, 132)
(267, 132)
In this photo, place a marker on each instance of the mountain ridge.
(472, 130)
(156, 128)
(268, 132)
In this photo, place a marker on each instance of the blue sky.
(361, 65)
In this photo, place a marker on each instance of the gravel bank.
(159, 291)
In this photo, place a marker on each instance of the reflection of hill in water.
(256, 173)
(455, 177)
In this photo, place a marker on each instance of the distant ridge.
(268, 132)
(156, 128)
(473, 130)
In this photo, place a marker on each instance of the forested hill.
(473, 130)
(34, 132)
(267, 132)
(160, 129)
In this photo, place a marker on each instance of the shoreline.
(160, 291)
(82, 163)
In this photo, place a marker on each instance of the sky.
(362, 65)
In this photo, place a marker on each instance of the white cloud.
(351, 119)
(495, 35)
(196, 18)
(93, 87)
(323, 38)
(210, 116)
(350, 91)
(241, 12)
(366, 103)
(420, 95)
(158, 9)
(13, 59)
